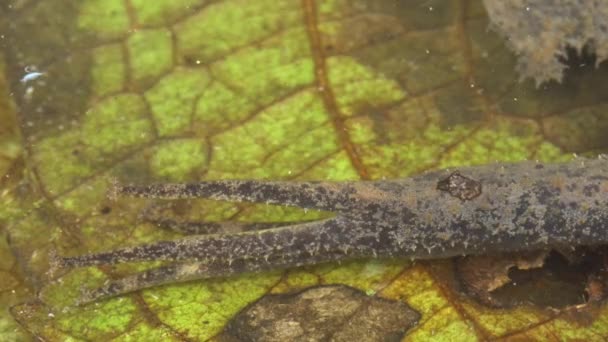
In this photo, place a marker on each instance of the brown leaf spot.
(337, 313)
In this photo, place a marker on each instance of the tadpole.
(523, 207)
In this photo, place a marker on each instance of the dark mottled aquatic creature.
(439, 214)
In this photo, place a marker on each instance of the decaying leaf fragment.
(482, 275)
(556, 279)
(524, 207)
(540, 31)
(336, 313)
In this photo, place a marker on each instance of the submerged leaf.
(193, 89)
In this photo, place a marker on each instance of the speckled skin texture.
(526, 206)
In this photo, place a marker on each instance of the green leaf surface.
(153, 91)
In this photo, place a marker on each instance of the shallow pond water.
(186, 90)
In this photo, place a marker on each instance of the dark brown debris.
(545, 279)
(480, 275)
